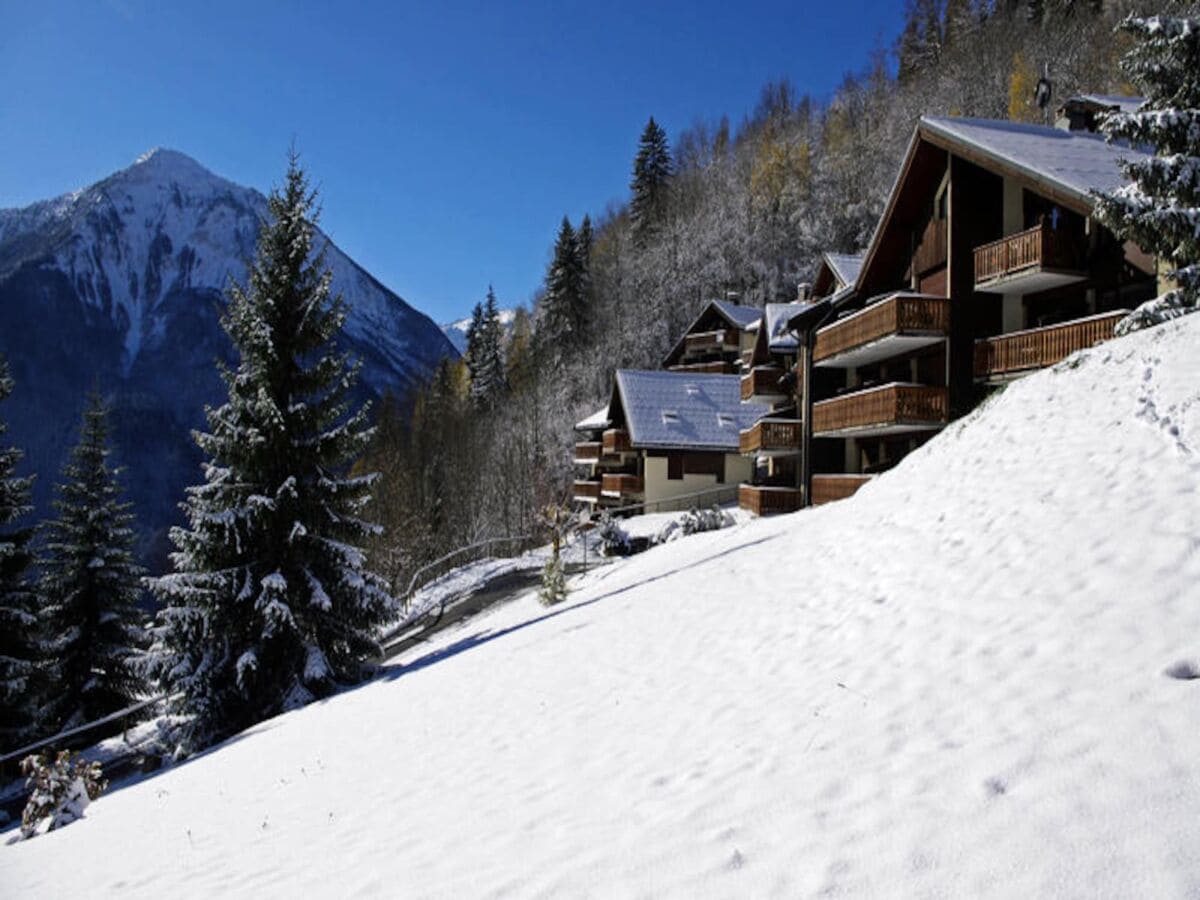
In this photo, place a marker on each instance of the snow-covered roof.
(779, 338)
(744, 317)
(1123, 104)
(1078, 162)
(597, 420)
(845, 266)
(685, 410)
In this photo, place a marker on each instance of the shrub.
(60, 790)
(614, 540)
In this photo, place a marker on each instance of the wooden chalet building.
(987, 264)
(719, 341)
(664, 435)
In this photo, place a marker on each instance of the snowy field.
(968, 680)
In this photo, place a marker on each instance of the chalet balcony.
(622, 486)
(764, 500)
(899, 324)
(762, 384)
(586, 491)
(616, 440)
(1036, 259)
(588, 452)
(828, 488)
(889, 409)
(1010, 355)
(719, 341)
(712, 367)
(771, 437)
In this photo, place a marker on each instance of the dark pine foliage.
(271, 603)
(20, 648)
(90, 587)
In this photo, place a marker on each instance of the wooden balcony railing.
(779, 436)
(1039, 247)
(899, 314)
(616, 440)
(763, 500)
(889, 407)
(708, 341)
(712, 367)
(1040, 347)
(828, 488)
(932, 250)
(588, 451)
(587, 490)
(622, 484)
(762, 381)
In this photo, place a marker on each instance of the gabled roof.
(743, 318)
(845, 266)
(1108, 101)
(1076, 162)
(777, 315)
(681, 410)
(596, 421)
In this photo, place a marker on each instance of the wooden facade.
(829, 488)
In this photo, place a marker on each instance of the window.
(670, 417)
(675, 467)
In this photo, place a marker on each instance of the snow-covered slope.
(120, 285)
(456, 331)
(970, 680)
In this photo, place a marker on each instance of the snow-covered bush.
(697, 520)
(554, 582)
(693, 521)
(60, 790)
(614, 540)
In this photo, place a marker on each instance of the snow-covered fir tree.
(271, 602)
(90, 587)
(1159, 209)
(564, 319)
(651, 171)
(20, 645)
(488, 373)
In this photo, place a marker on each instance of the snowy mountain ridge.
(120, 285)
(166, 224)
(456, 331)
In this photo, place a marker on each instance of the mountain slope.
(977, 677)
(121, 285)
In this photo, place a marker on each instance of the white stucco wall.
(658, 487)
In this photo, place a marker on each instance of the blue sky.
(448, 139)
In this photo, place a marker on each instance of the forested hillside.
(725, 207)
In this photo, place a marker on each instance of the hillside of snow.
(456, 331)
(976, 678)
(120, 285)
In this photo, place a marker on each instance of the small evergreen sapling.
(554, 580)
(60, 790)
(271, 602)
(91, 586)
(1160, 208)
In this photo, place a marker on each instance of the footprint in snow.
(1183, 669)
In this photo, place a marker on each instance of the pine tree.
(651, 173)
(488, 376)
(564, 320)
(90, 586)
(1159, 209)
(20, 645)
(474, 336)
(583, 255)
(271, 602)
